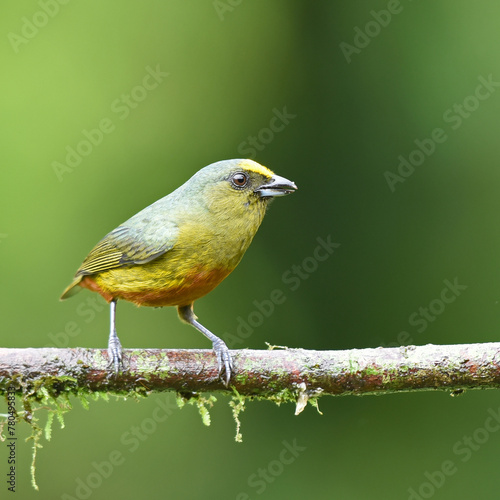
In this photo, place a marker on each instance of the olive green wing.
(125, 245)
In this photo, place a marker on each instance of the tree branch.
(286, 374)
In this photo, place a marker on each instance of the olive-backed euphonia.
(182, 246)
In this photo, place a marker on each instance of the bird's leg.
(224, 360)
(114, 346)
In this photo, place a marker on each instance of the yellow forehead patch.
(253, 166)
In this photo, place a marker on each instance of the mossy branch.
(287, 374)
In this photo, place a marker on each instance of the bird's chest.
(213, 248)
(220, 241)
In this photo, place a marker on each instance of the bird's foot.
(115, 354)
(224, 361)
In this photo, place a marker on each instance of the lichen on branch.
(278, 374)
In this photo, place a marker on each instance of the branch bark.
(285, 373)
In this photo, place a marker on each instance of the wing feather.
(128, 245)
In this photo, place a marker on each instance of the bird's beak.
(278, 186)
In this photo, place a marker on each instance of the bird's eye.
(239, 180)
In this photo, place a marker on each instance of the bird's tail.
(72, 289)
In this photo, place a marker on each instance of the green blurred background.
(355, 102)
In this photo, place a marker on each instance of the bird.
(181, 247)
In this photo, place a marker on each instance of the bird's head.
(223, 205)
(235, 185)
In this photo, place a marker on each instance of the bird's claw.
(224, 360)
(115, 354)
